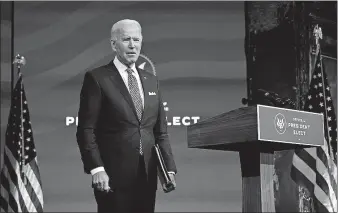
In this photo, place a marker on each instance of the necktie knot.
(130, 71)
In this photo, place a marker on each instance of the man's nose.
(131, 44)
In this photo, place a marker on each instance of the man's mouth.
(131, 53)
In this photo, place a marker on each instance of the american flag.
(316, 168)
(21, 189)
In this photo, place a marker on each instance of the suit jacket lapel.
(118, 81)
(146, 90)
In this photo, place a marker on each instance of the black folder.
(162, 171)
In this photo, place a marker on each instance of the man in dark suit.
(120, 119)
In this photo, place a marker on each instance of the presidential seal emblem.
(280, 123)
(145, 63)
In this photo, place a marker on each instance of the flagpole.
(19, 62)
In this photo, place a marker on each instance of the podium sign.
(290, 126)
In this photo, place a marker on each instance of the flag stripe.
(312, 152)
(331, 172)
(35, 202)
(33, 188)
(333, 184)
(12, 197)
(321, 182)
(322, 198)
(333, 189)
(23, 191)
(14, 183)
(326, 176)
(4, 191)
(334, 168)
(35, 169)
(301, 178)
(11, 202)
(3, 202)
(319, 206)
(323, 157)
(306, 156)
(304, 175)
(325, 182)
(333, 176)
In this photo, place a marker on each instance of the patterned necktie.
(136, 96)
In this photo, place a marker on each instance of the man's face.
(128, 44)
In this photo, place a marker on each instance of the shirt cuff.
(170, 172)
(96, 170)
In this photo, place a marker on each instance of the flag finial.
(317, 32)
(19, 60)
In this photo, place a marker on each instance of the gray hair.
(116, 28)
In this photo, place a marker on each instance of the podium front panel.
(290, 126)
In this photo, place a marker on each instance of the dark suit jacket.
(109, 132)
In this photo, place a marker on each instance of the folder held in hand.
(162, 171)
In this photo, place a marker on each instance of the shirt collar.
(122, 67)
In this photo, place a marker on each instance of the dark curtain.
(6, 55)
(272, 66)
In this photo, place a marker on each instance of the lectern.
(256, 132)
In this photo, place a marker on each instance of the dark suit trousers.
(139, 199)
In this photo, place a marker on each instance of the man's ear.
(112, 43)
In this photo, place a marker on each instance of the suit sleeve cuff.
(96, 170)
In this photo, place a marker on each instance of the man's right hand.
(101, 181)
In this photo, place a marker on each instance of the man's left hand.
(172, 178)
